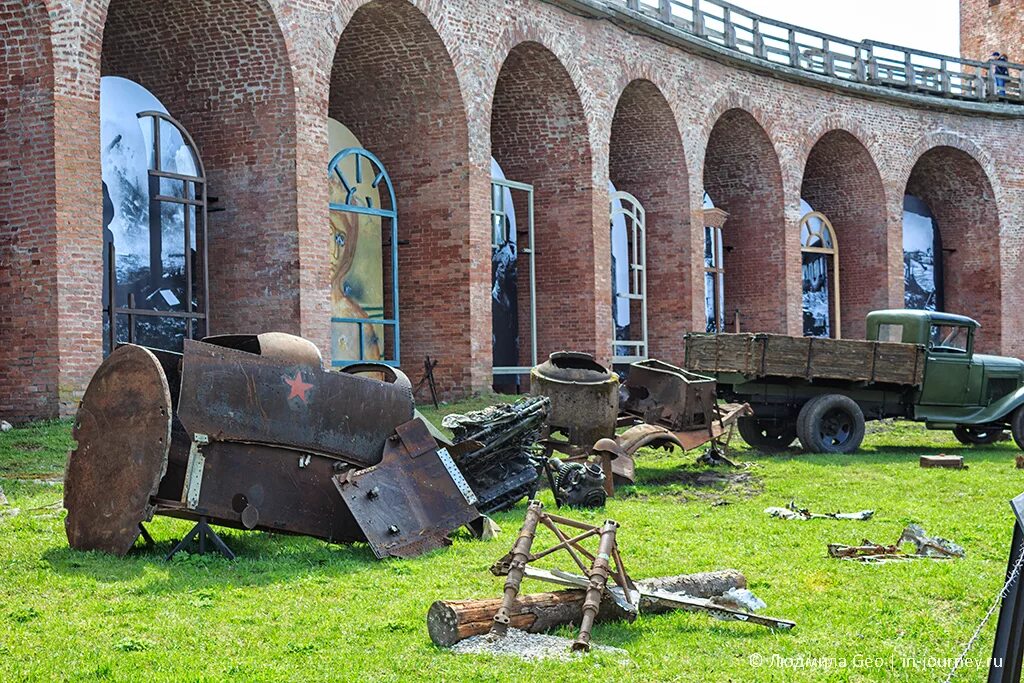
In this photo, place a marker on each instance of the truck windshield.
(949, 338)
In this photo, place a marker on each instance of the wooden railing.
(866, 62)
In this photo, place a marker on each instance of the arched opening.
(646, 160)
(221, 70)
(539, 139)
(842, 182)
(29, 351)
(394, 87)
(743, 176)
(819, 252)
(957, 193)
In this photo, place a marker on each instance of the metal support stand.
(201, 533)
(428, 379)
(146, 538)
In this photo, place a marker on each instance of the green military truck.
(914, 365)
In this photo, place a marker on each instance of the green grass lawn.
(300, 609)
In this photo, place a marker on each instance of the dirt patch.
(530, 647)
(714, 486)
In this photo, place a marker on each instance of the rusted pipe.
(599, 571)
(517, 567)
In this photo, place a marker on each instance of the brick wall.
(987, 27)
(435, 87)
(29, 350)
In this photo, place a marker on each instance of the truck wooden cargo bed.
(809, 358)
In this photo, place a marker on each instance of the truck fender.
(999, 410)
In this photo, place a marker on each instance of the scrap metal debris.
(925, 547)
(529, 647)
(493, 448)
(250, 432)
(662, 406)
(794, 511)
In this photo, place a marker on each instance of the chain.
(1014, 573)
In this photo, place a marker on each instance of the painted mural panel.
(357, 262)
(504, 274)
(817, 276)
(922, 257)
(148, 235)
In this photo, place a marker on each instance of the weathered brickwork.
(435, 88)
(987, 27)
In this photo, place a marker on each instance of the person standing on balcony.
(999, 61)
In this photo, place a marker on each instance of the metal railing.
(865, 62)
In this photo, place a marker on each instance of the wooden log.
(449, 621)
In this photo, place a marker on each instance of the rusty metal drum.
(584, 396)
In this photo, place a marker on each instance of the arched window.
(714, 267)
(629, 277)
(922, 257)
(154, 222)
(364, 227)
(820, 255)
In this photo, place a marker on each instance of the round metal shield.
(123, 430)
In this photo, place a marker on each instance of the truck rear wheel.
(1017, 427)
(766, 435)
(831, 423)
(977, 436)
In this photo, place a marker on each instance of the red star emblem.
(299, 387)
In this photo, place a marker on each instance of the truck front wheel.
(1017, 427)
(765, 435)
(831, 423)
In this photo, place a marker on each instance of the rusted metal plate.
(231, 395)
(251, 486)
(406, 505)
(123, 430)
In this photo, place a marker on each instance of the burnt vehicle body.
(250, 432)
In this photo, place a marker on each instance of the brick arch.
(725, 104)
(841, 180)
(222, 68)
(566, 49)
(646, 159)
(961, 197)
(29, 347)
(743, 176)
(394, 84)
(948, 138)
(539, 135)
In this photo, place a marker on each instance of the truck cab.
(960, 387)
